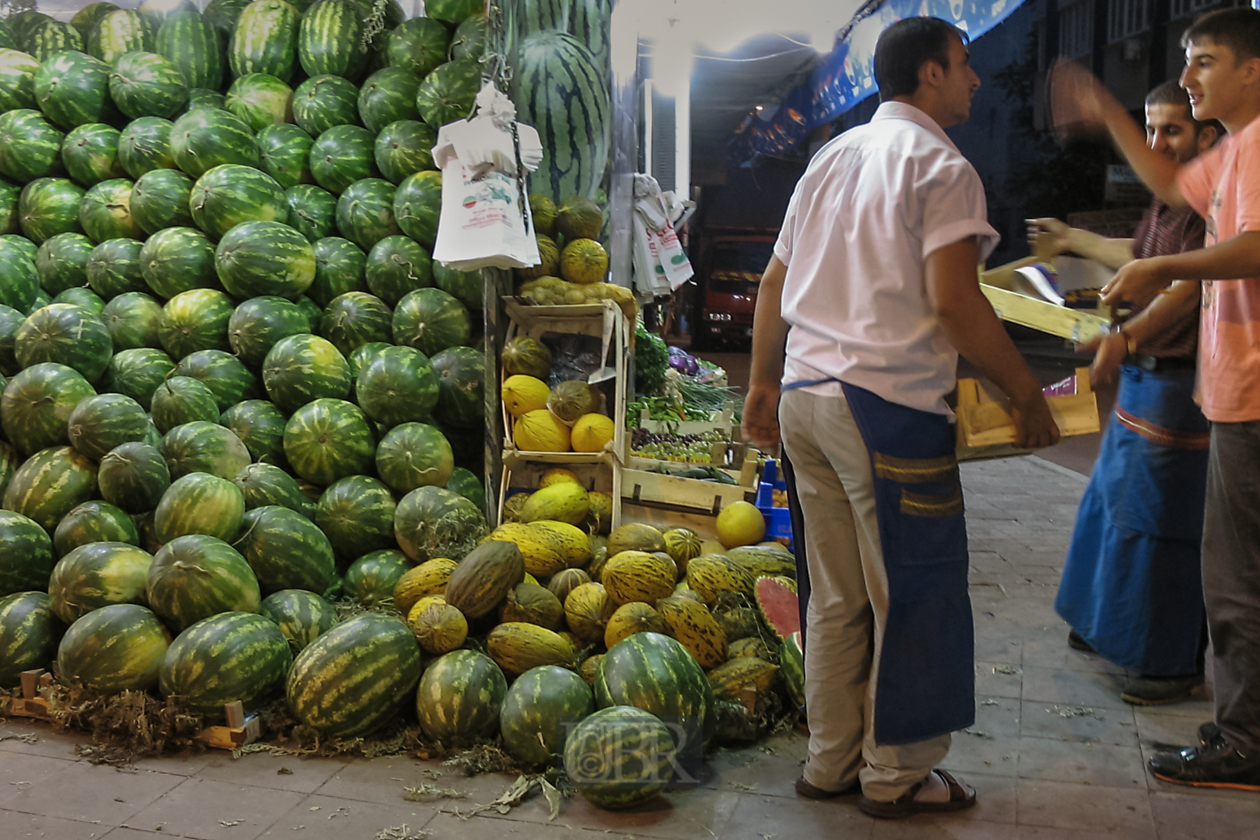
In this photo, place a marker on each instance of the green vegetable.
(651, 360)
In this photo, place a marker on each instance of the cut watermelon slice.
(779, 606)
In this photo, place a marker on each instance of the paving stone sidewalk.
(1055, 754)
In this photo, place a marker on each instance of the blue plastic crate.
(778, 519)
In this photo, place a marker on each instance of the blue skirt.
(1132, 585)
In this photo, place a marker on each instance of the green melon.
(365, 212)
(146, 84)
(354, 319)
(620, 757)
(467, 287)
(94, 575)
(17, 79)
(159, 200)
(132, 320)
(267, 484)
(285, 152)
(301, 368)
(414, 455)
(434, 522)
(21, 288)
(49, 206)
(230, 194)
(461, 377)
(113, 269)
(655, 673)
(62, 262)
(50, 484)
(193, 46)
(397, 386)
(468, 485)
(103, 422)
(206, 138)
(258, 323)
(195, 320)
(117, 33)
(116, 648)
(404, 148)
(448, 93)
(389, 94)
(323, 102)
(338, 269)
(460, 698)
(28, 554)
(342, 155)
(179, 259)
(357, 515)
(137, 373)
(260, 100)
(328, 439)
(285, 549)
(265, 40)
(417, 205)
(134, 476)
(37, 404)
(331, 40)
(105, 211)
(469, 40)
(29, 633)
(204, 447)
(312, 212)
(370, 580)
(30, 146)
(72, 88)
(199, 503)
(90, 154)
(396, 266)
(539, 709)
(145, 145)
(363, 354)
(223, 373)
(182, 399)
(196, 576)
(265, 258)
(224, 658)
(430, 320)
(260, 426)
(301, 615)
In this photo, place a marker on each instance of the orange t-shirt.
(1223, 185)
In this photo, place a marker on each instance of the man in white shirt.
(875, 274)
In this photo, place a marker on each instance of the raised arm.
(1112, 253)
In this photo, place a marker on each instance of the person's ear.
(1207, 138)
(931, 74)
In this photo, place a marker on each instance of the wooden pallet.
(241, 729)
(30, 704)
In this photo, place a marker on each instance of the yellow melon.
(591, 433)
(523, 394)
(544, 211)
(557, 474)
(583, 261)
(541, 431)
(549, 253)
(740, 523)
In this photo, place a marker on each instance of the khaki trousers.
(848, 603)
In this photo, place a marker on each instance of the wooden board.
(1073, 324)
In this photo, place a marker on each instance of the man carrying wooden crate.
(875, 273)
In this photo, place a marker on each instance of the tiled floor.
(1054, 753)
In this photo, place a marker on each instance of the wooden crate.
(724, 422)
(644, 483)
(521, 474)
(601, 320)
(30, 704)
(985, 428)
(1078, 325)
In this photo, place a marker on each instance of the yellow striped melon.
(635, 617)
(585, 611)
(694, 626)
(429, 578)
(637, 576)
(563, 502)
(516, 646)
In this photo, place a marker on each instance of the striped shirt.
(1163, 231)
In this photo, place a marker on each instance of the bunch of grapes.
(663, 446)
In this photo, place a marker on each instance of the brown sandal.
(960, 796)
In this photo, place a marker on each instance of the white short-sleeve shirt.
(870, 208)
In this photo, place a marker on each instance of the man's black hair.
(1171, 93)
(1238, 29)
(906, 46)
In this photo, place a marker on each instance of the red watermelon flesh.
(779, 606)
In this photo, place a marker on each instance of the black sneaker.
(1077, 642)
(1160, 691)
(1215, 764)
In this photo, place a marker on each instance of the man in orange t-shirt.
(1222, 78)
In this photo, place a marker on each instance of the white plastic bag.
(660, 263)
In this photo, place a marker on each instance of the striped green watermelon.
(137, 373)
(466, 286)
(414, 455)
(311, 310)
(29, 633)
(265, 40)
(267, 484)
(146, 84)
(199, 503)
(330, 40)
(49, 206)
(302, 616)
(342, 155)
(201, 98)
(194, 46)
(67, 335)
(145, 145)
(355, 678)
(365, 212)
(461, 374)
(50, 484)
(620, 757)
(260, 100)
(354, 319)
(460, 698)
(404, 148)
(197, 576)
(357, 515)
(260, 426)
(363, 354)
(312, 211)
(182, 399)
(52, 37)
(62, 262)
(204, 447)
(449, 92)
(7, 41)
(230, 194)
(134, 476)
(419, 46)
(85, 299)
(159, 200)
(205, 138)
(100, 423)
(28, 249)
(656, 673)
(105, 211)
(87, 16)
(258, 323)
(17, 79)
(117, 33)
(369, 581)
(285, 151)
(28, 554)
(157, 12)
(436, 522)
(132, 320)
(177, 260)
(417, 205)
(223, 373)
(41, 300)
(430, 320)
(399, 385)
(195, 320)
(10, 321)
(72, 88)
(10, 224)
(94, 575)
(396, 266)
(328, 439)
(468, 485)
(94, 522)
(453, 11)
(222, 15)
(538, 710)
(265, 258)
(323, 102)
(286, 550)
(560, 89)
(469, 40)
(116, 648)
(20, 24)
(113, 269)
(338, 269)
(302, 368)
(21, 285)
(389, 94)
(90, 154)
(10, 460)
(223, 658)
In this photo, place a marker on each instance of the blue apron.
(1132, 585)
(926, 681)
